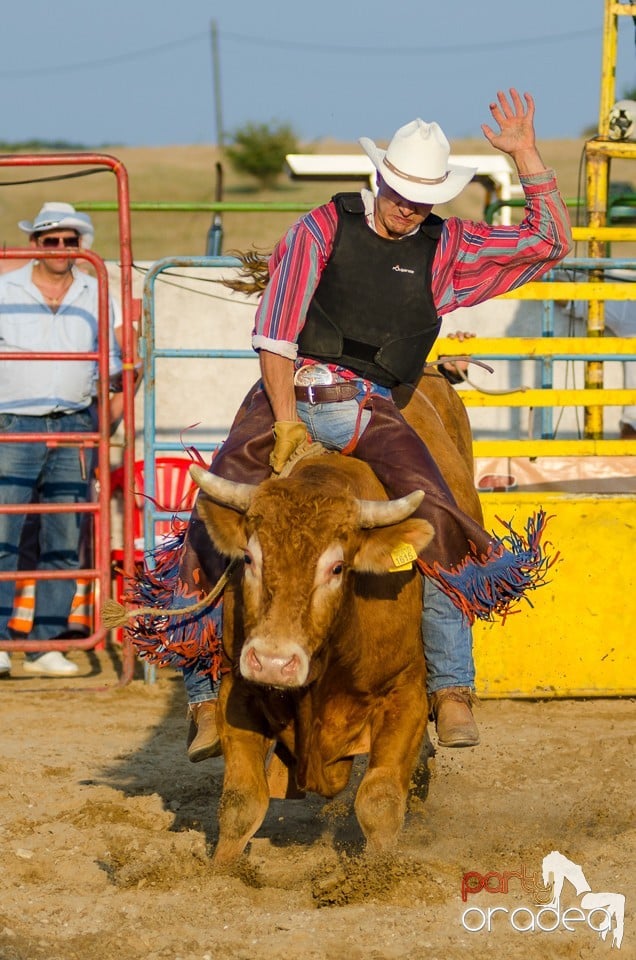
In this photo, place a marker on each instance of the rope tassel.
(165, 624)
(115, 614)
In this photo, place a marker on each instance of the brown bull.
(323, 640)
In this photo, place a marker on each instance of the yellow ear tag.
(403, 557)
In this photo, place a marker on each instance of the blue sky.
(137, 72)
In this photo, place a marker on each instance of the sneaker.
(5, 663)
(51, 664)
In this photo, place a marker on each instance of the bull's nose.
(287, 670)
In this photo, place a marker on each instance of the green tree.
(259, 149)
(34, 146)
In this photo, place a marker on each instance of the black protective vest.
(373, 310)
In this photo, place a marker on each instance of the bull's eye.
(329, 568)
(247, 558)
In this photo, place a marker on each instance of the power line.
(105, 62)
(401, 50)
(293, 45)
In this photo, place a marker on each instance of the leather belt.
(56, 414)
(327, 392)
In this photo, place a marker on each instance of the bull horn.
(382, 513)
(238, 496)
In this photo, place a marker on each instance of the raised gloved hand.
(288, 434)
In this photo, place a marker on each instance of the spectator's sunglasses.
(59, 241)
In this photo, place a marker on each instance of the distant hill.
(40, 146)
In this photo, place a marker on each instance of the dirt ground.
(106, 832)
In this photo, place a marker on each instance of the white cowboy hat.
(415, 164)
(60, 216)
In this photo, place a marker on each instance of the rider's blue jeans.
(447, 636)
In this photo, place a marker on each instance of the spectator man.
(49, 305)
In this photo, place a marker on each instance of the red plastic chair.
(174, 491)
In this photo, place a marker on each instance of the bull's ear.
(382, 548)
(225, 527)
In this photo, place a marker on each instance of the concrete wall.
(196, 399)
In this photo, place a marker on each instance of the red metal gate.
(99, 574)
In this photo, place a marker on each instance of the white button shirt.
(39, 387)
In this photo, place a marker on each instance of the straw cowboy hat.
(60, 216)
(415, 164)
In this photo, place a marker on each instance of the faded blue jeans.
(57, 474)
(448, 645)
(200, 686)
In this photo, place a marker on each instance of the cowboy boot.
(451, 709)
(203, 738)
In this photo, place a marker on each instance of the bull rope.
(463, 376)
(115, 614)
(490, 391)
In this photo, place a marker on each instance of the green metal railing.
(214, 239)
(212, 206)
(614, 214)
(296, 206)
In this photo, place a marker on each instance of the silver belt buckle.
(314, 374)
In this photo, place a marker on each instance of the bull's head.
(300, 538)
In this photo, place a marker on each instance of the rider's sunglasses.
(58, 241)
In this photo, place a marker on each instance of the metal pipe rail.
(571, 290)
(200, 206)
(595, 292)
(538, 348)
(128, 373)
(616, 200)
(150, 354)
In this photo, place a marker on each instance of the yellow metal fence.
(576, 639)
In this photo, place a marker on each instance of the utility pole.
(214, 240)
(216, 79)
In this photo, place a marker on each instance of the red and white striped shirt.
(473, 261)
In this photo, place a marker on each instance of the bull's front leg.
(244, 800)
(397, 731)
(245, 797)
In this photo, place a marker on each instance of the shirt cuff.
(283, 348)
(547, 178)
